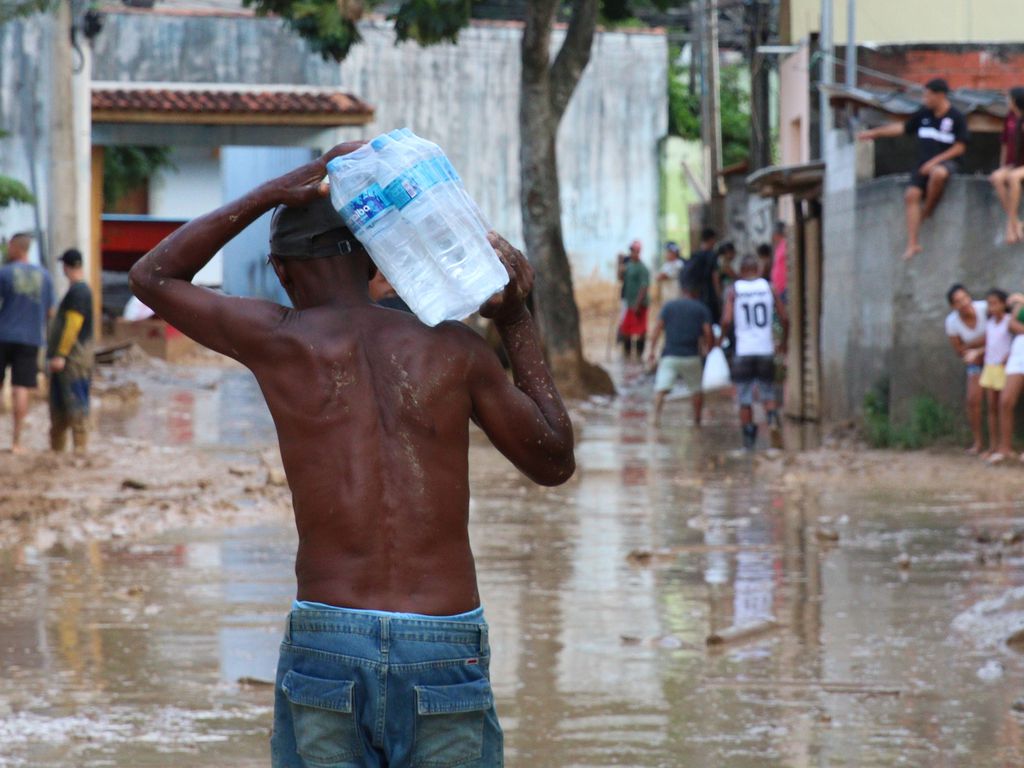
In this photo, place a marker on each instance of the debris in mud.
(254, 682)
(826, 533)
(738, 634)
(989, 671)
(133, 484)
(903, 560)
(667, 642)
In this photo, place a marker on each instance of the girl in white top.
(993, 376)
(965, 327)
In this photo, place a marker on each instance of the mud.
(145, 636)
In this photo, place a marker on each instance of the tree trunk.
(546, 90)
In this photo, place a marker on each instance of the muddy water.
(152, 653)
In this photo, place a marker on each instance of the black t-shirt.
(684, 321)
(698, 272)
(936, 134)
(77, 299)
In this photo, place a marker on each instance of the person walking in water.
(749, 308)
(942, 136)
(686, 324)
(386, 653)
(26, 302)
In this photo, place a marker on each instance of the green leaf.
(13, 191)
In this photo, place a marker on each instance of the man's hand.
(509, 305)
(306, 183)
(868, 135)
(57, 364)
(927, 168)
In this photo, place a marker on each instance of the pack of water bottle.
(402, 198)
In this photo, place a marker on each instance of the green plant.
(125, 169)
(13, 191)
(929, 422)
(734, 104)
(14, 9)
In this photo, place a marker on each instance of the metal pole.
(713, 101)
(851, 43)
(827, 74)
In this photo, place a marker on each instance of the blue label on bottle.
(361, 211)
(402, 190)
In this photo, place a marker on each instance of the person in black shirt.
(71, 357)
(701, 272)
(941, 131)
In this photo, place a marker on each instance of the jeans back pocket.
(450, 723)
(322, 715)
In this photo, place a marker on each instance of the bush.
(930, 422)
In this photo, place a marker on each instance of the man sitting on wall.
(941, 131)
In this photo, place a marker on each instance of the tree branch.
(540, 17)
(574, 54)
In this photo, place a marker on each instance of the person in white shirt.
(668, 274)
(749, 308)
(965, 327)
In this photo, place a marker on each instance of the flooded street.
(600, 594)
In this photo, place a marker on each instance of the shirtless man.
(385, 659)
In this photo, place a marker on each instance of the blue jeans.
(376, 689)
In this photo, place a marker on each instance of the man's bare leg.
(698, 408)
(19, 401)
(936, 184)
(659, 403)
(912, 201)
(999, 178)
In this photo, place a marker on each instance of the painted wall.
(25, 114)
(883, 318)
(463, 96)
(923, 21)
(191, 188)
(794, 108)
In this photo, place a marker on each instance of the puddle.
(121, 654)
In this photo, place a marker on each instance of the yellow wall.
(914, 21)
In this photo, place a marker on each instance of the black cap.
(72, 257)
(312, 231)
(937, 85)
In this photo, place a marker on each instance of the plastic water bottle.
(438, 257)
(391, 242)
(443, 208)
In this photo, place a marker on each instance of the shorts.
(23, 360)
(1015, 363)
(921, 182)
(973, 370)
(750, 372)
(371, 688)
(671, 368)
(634, 322)
(993, 376)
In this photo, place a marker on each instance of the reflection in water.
(131, 654)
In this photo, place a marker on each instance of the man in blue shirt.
(686, 323)
(26, 301)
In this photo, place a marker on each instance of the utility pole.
(62, 184)
(851, 43)
(711, 119)
(825, 52)
(760, 119)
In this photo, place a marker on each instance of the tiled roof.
(199, 102)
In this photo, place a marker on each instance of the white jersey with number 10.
(752, 317)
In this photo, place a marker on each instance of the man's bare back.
(372, 407)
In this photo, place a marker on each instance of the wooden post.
(96, 244)
(794, 387)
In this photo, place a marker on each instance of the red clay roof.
(255, 104)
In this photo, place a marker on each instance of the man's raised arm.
(527, 420)
(162, 279)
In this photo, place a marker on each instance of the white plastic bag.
(716, 371)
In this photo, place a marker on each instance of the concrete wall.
(464, 96)
(25, 53)
(882, 317)
(898, 21)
